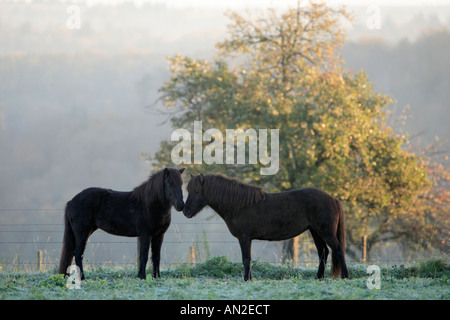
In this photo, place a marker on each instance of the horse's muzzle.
(179, 206)
(187, 212)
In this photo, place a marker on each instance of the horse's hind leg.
(82, 233)
(80, 245)
(322, 251)
(338, 254)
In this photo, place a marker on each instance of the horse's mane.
(152, 190)
(227, 193)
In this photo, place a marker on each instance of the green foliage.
(221, 267)
(56, 280)
(284, 71)
(220, 278)
(218, 267)
(265, 270)
(432, 268)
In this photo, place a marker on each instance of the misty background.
(77, 105)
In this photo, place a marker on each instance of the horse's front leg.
(246, 247)
(144, 245)
(156, 254)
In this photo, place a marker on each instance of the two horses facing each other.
(248, 211)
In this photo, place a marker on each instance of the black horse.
(143, 213)
(251, 213)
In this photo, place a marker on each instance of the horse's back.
(112, 211)
(316, 203)
(286, 214)
(315, 195)
(88, 198)
(306, 198)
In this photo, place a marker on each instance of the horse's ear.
(166, 172)
(202, 178)
(191, 174)
(181, 170)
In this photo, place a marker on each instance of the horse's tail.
(340, 234)
(68, 247)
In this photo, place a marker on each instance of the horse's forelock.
(175, 176)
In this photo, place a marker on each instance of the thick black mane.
(228, 193)
(152, 190)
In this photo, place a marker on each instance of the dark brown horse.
(251, 213)
(143, 213)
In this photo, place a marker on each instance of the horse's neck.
(227, 208)
(222, 210)
(158, 204)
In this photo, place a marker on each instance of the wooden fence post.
(39, 261)
(137, 254)
(192, 255)
(295, 251)
(364, 249)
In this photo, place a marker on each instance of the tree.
(284, 71)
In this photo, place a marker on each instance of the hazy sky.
(248, 3)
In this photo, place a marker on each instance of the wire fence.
(37, 246)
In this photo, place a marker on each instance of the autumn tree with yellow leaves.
(284, 71)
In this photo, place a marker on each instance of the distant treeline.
(415, 74)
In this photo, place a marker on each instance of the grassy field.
(219, 278)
